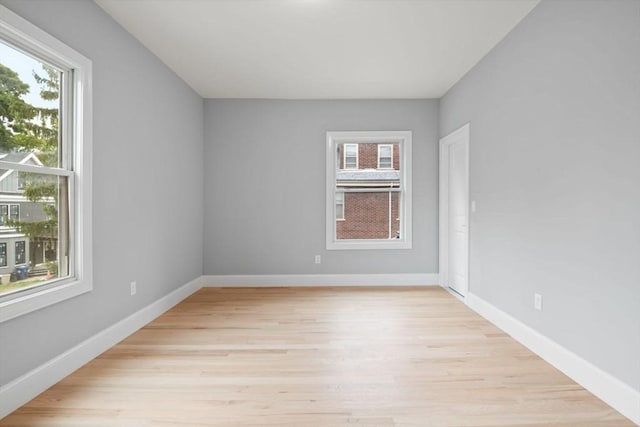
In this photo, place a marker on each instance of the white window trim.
(29, 38)
(344, 161)
(403, 139)
(391, 147)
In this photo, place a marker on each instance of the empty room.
(320, 213)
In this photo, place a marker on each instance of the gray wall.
(147, 185)
(555, 170)
(265, 185)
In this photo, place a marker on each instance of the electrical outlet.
(134, 289)
(318, 259)
(537, 302)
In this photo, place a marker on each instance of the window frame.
(76, 143)
(403, 139)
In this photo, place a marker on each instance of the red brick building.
(367, 191)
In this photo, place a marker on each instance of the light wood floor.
(320, 357)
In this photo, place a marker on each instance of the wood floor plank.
(367, 356)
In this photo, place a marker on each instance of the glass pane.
(29, 110)
(370, 215)
(34, 231)
(370, 205)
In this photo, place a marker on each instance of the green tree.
(26, 128)
(14, 111)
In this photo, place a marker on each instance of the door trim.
(461, 133)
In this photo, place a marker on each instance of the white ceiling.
(319, 49)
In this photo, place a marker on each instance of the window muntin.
(46, 159)
(350, 156)
(378, 199)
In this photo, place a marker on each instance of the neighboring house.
(369, 174)
(16, 248)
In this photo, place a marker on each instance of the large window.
(369, 202)
(45, 154)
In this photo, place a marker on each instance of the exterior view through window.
(368, 190)
(369, 195)
(34, 200)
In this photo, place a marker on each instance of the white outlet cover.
(537, 302)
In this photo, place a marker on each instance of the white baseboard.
(23, 389)
(611, 390)
(300, 280)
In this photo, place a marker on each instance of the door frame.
(460, 134)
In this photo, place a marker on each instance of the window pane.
(368, 209)
(372, 215)
(35, 213)
(38, 236)
(29, 113)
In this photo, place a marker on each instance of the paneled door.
(454, 210)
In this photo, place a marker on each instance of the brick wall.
(368, 156)
(366, 216)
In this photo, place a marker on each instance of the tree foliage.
(27, 128)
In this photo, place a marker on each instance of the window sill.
(369, 244)
(16, 307)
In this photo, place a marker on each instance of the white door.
(454, 210)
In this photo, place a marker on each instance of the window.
(20, 252)
(3, 254)
(4, 214)
(339, 205)
(14, 212)
(22, 181)
(350, 156)
(385, 156)
(45, 159)
(379, 200)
